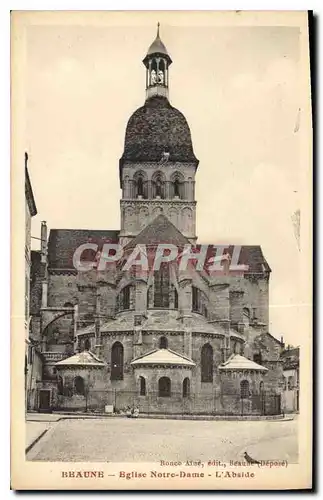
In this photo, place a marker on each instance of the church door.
(44, 401)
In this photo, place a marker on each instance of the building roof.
(62, 244)
(85, 358)
(160, 230)
(29, 191)
(290, 358)
(160, 320)
(157, 47)
(236, 362)
(250, 255)
(163, 357)
(155, 128)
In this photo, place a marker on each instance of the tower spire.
(158, 24)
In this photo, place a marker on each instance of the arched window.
(68, 304)
(246, 316)
(158, 187)
(177, 185)
(186, 387)
(140, 187)
(163, 343)
(257, 358)
(197, 305)
(117, 361)
(207, 363)
(161, 73)
(176, 188)
(161, 286)
(244, 389)
(60, 386)
(87, 345)
(142, 389)
(79, 386)
(175, 299)
(124, 298)
(164, 387)
(261, 387)
(158, 184)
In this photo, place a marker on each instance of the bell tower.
(157, 62)
(158, 165)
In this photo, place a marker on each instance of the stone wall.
(62, 288)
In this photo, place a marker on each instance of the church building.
(169, 340)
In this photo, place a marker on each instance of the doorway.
(44, 401)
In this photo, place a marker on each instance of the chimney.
(98, 343)
(43, 242)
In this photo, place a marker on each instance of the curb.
(72, 416)
(30, 446)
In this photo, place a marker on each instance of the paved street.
(34, 430)
(129, 440)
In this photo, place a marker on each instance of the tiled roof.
(84, 358)
(292, 352)
(250, 255)
(155, 128)
(157, 320)
(163, 357)
(290, 358)
(62, 244)
(160, 230)
(236, 362)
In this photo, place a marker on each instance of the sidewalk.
(34, 431)
(55, 417)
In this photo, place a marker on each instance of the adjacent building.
(30, 211)
(290, 360)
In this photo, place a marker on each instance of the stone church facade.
(172, 340)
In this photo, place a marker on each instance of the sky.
(239, 89)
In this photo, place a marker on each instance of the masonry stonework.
(171, 341)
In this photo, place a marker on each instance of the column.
(157, 60)
(167, 193)
(150, 190)
(131, 188)
(149, 73)
(186, 190)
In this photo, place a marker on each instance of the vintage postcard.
(161, 251)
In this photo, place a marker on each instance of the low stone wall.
(176, 404)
